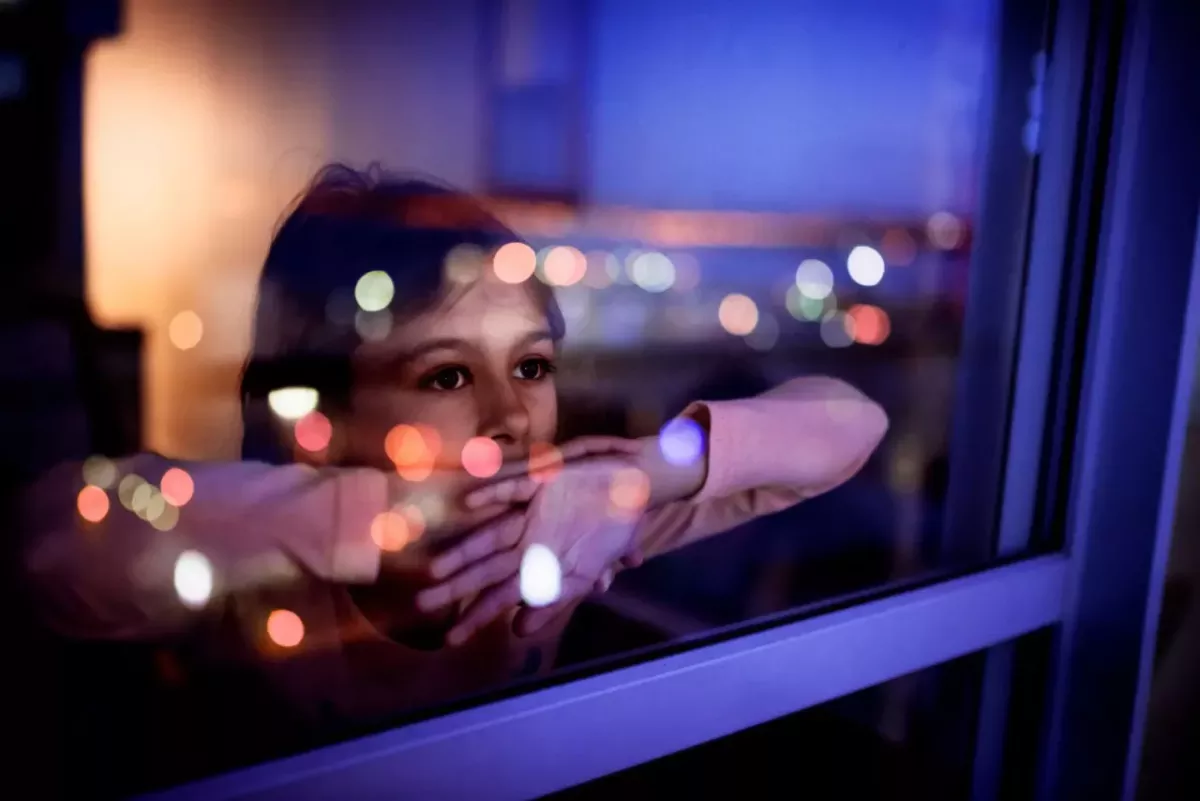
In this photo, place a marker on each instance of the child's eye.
(533, 369)
(446, 379)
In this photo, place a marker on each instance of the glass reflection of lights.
(193, 579)
(185, 330)
(540, 577)
(681, 442)
(653, 272)
(374, 291)
(865, 265)
(292, 403)
(514, 262)
(92, 503)
(738, 314)
(313, 432)
(814, 279)
(834, 330)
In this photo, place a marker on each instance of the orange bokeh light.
(92, 503)
(481, 457)
(413, 450)
(390, 531)
(177, 486)
(185, 330)
(738, 314)
(867, 324)
(313, 432)
(545, 462)
(514, 262)
(285, 628)
(630, 490)
(565, 266)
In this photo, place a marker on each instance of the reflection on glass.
(680, 354)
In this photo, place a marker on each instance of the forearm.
(254, 524)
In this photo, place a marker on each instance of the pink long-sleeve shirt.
(298, 538)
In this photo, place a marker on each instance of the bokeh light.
(630, 491)
(167, 518)
(193, 579)
(481, 457)
(127, 487)
(185, 330)
(814, 279)
(545, 462)
(738, 314)
(390, 531)
(374, 291)
(898, 247)
(681, 442)
(514, 262)
(804, 308)
(540, 577)
(652, 271)
(945, 231)
(765, 335)
(292, 403)
(687, 272)
(177, 486)
(600, 266)
(464, 264)
(139, 502)
(100, 471)
(870, 324)
(313, 432)
(865, 265)
(373, 326)
(414, 450)
(92, 503)
(835, 331)
(564, 266)
(285, 628)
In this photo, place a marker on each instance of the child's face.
(479, 365)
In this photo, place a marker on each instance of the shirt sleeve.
(767, 453)
(254, 524)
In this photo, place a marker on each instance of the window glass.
(483, 340)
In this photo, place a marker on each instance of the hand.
(586, 514)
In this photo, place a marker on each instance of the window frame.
(1100, 595)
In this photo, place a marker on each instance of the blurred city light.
(564, 266)
(92, 503)
(652, 271)
(814, 279)
(540, 578)
(177, 486)
(100, 470)
(738, 314)
(292, 403)
(374, 291)
(681, 442)
(313, 432)
(285, 628)
(481, 457)
(865, 265)
(514, 262)
(945, 231)
(193, 579)
(834, 331)
(185, 330)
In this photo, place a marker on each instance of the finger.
(605, 581)
(484, 609)
(594, 446)
(634, 558)
(474, 579)
(490, 540)
(509, 492)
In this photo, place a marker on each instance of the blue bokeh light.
(681, 442)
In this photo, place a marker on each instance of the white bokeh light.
(865, 265)
(193, 578)
(292, 403)
(653, 272)
(374, 291)
(814, 279)
(541, 576)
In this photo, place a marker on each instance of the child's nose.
(504, 418)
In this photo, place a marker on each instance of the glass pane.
(1168, 768)
(917, 736)
(627, 323)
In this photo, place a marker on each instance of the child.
(408, 583)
